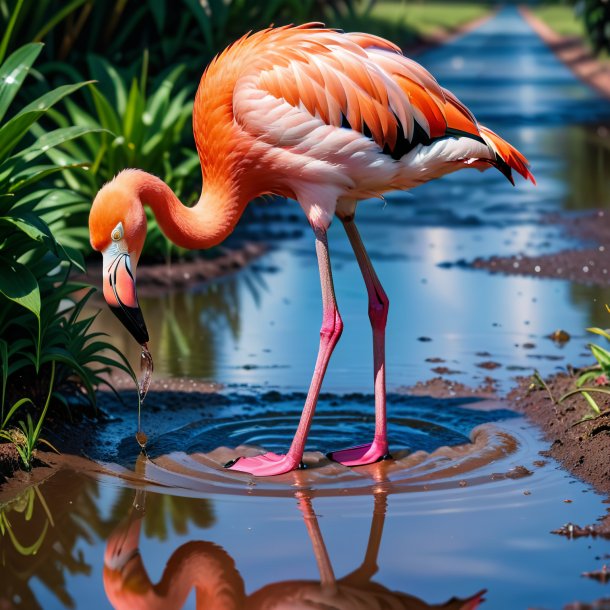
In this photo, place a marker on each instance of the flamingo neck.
(201, 226)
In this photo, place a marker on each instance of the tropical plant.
(596, 17)
(187, 32)
(44, 346)
(126, 127)
(26, 436)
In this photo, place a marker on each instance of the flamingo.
(211, 571)
(319, 116)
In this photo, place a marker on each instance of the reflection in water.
(209, 569)
(42, 531)
(28, 551)
(586, 152)
(185, 326)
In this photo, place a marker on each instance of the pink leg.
(332, 326)
(378, 315)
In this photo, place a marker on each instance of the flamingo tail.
(508, 158)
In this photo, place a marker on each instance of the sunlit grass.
(427, 18)
(406, 22)
(566, 22)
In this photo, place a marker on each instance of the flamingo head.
(117, 229)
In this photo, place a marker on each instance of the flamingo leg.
(378, 315)
(332, 327)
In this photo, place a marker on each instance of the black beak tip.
(132, 319)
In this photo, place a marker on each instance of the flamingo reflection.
(209, 569)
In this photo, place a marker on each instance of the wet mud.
(577, 438)
(585, 265)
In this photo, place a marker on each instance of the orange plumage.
(326, 118)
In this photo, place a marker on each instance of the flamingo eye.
(117, 232)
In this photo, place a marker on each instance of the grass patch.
(561, 18)
(566, 22)
(409, 22)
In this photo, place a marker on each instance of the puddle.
(467, 505)
(436, 523)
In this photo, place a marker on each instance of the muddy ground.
(587, 265)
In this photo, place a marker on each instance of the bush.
(45, 348)
(127, 128)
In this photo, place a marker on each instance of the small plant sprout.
(27, 436)
(595, 378)
(539, 382)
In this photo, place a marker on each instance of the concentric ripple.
(436, 444)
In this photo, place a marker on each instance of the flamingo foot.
(265, 465)
(362, 454)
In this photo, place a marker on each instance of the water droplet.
(142, 438)
(146, 371)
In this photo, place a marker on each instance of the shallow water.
(439, 522)
(466, 505)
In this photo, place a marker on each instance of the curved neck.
(204, 225)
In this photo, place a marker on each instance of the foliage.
(188, 32)
(596, 17)
(27, 436)
(44, 347)
(582, 18)
(126, 128)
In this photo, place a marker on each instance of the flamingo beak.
(120, 293)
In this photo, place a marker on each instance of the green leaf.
(49, 99)
(592, 402)
(106, 113)
(30, 224)
(599, 331)
(14, 408)
(18, 284)
(601, 355)
(13, 131)
(203, 20)
(584, 390)
(109, 80)
(55, 138)
(13, 72)
(158, 12)
(57, 17)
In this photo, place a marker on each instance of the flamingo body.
(320, 116)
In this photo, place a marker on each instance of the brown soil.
(574, 441)
(9, 461)
(589, 265)
(574, 53)
(439, 387)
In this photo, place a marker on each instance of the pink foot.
(362, 454)
(265, 465)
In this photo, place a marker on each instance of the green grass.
(406, 22)
(561, 19)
